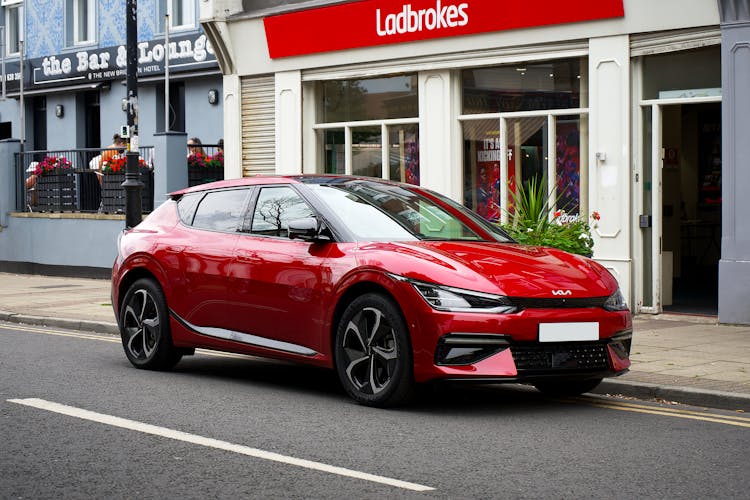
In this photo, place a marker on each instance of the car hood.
(505, 268)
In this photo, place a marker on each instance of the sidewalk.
(687, 359)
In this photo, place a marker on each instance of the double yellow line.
(707, 416)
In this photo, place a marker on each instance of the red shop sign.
(368, 23)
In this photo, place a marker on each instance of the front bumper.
(498, 358)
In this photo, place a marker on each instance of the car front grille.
(557, 303)
(562, 357)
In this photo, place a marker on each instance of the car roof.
(278, 179)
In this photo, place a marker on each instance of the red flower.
(595, 215)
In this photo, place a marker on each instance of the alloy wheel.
(370, 351)
(142, 325)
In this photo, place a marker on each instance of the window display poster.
(568, 167)
(488, 178)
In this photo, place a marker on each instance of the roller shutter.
(258, 126)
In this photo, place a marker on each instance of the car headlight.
(616, 302)
(445, 298)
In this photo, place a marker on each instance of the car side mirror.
(307, 229)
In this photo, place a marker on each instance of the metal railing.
(76, 186)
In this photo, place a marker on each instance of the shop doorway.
(680, 220)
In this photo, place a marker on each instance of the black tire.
(144, 327)
(567, 387)
(373, 352)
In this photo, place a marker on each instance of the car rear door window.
(221, 210)
(276, 206)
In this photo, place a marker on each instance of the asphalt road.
(77, 421)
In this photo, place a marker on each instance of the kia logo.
(561, 292)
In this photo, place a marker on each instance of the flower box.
(203, 168)
(203, 175)
(56, 191)
(113, 194)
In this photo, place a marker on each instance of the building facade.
(619, 106)
(71, 54)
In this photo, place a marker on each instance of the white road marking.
(212, 443)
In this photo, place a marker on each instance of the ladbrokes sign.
(442, 16)
(379, 22)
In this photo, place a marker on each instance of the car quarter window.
(276, 206)
(186, 206)
(221, 210)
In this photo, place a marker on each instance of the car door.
(279, 284)
(205, 251)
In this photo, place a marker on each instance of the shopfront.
(474, 98)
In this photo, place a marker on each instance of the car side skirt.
(245, 338)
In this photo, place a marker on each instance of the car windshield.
(384, 212)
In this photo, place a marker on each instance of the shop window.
(522, 87)
(80, 23)
(13, 27)
(369, 127)
(182, 15)
(689, 73)
(547, 142)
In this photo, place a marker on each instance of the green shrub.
(533, 222)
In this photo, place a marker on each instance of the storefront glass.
(541, 141)
(522, 87)
(367, 99)
(403, 153)
(379, 117)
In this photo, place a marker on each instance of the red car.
(389, 284)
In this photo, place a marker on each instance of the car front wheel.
(144, 327)
(373, 352)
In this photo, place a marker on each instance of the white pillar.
(232, 127)
(288, 122)
(438, 169)
(609, 154)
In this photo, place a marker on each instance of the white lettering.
(52, 66)
(408, 20)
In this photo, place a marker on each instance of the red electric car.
(389, 284)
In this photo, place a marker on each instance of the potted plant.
(113, 194)
(203, 168)
(55, 185)
(534, 221)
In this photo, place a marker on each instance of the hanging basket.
(56, 191)
(113, 194)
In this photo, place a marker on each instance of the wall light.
(213, 96)
(59, 111)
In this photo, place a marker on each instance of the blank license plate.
(568, 332)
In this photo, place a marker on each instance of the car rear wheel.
(373, 352)
(567, 387)
(144, 327)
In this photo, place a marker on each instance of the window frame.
(319, 128)
(8, 7)
(551, 115)
(73, 22)
(189, 15)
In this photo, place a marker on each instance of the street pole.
(132, 184)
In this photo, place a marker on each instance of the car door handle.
(250, 257)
